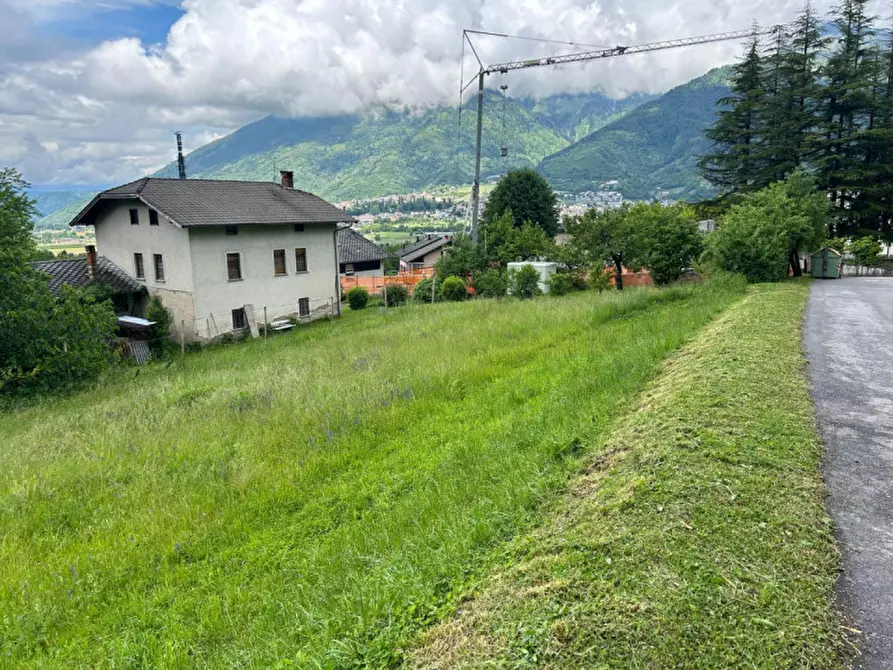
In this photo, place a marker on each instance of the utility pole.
(579, 57)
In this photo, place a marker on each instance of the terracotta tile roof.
(215, 202)
(74, 273)
(355, 248)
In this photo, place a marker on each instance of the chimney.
(92, 271)
(181, 163)
(287, 178)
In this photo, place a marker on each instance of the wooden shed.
(826, 263)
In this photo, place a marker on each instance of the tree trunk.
(795, 264)
(618, 275)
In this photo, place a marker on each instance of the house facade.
(424, 252)
(219, 252)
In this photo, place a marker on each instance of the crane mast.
(579, 57)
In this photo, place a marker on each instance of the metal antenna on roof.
(181, 163)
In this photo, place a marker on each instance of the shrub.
(422, 293)
(358, 297)
(159, 333)
(525, 282)
(490, 283)
(194, 347)
(599, 280)
(561, 284)
(396, 295)
(454, 289)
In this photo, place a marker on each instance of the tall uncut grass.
(311, 500)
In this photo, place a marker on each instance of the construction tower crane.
(580, 57)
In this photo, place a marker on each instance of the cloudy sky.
(91, 90)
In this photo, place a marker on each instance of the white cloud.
(111, 109)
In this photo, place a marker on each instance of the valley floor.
(327, 497)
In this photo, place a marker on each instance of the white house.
(209, 248)
(424, 252)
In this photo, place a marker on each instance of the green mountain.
(653, 148)
(57, 208)
(384, 151)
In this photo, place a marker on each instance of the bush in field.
(600, 280)
(423, 292)
(454, 289)
(524, 283)
(490, 283)
(358, 297)
(669, 239)
(159, 333)
(561, 284)
(865, 251)
(396, 295)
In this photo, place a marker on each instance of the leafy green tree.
(669, 240)
(524, 282)
(606, 237)
(45, 342)
(464, 258)
(503, 242)
(762, 236)
(528, 196)
(160, 332)
(865, 251)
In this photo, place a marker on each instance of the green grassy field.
(696, 538)
(316, 500)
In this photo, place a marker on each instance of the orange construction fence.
(375, 285)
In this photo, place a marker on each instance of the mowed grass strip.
(696, 538)
(313, 500)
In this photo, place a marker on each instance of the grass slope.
(654, 147)
(697, 537)
(313, 500)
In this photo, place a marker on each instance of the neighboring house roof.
(213, 202)
(74, 273)
(424, 246)
(355, 248)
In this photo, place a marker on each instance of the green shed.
(826, 263)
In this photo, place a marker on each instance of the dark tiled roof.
(424, 246)
(354, 248)
(74, 273)
(212, 202)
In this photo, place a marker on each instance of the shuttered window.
(300, 260)
(138, 266)
(279, 262)
(238, 318)
(233, 267)
(158, 262)
(304, 306)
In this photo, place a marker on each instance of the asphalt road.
(848, 339)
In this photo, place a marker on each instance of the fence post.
(183, 336)
(266, 327)
(384, 290)
(331, 308)
(433, 283)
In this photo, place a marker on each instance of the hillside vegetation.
(697, 537)
(654, 147)
(384, 151)
(314, 500)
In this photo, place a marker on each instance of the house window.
(300, 260)
(153, 217)
(138, 266)
(299, 227)
(233, 267)
(348, 268)
(158, 262)
(231, 230)
(279, 268)
(134, 217)
(304, 306)
(239, 318)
